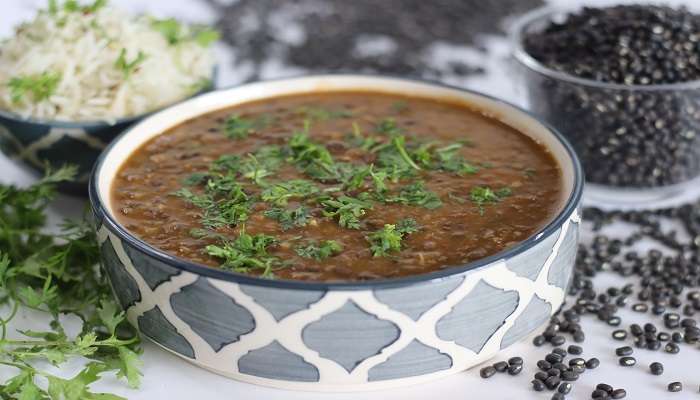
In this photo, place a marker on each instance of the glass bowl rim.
(523, 57)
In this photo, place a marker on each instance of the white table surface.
(168, 377)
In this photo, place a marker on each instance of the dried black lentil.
(675, 387)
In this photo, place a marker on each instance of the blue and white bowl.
(338, 336)
(36, 143)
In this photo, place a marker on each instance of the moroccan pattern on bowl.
(339, 339)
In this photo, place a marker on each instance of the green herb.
(176, 33)
(170, 28)
(205, 36)
(319, 251)
(388, 239)
(417, 195)
(388, 126)
(237, 127)
(483, 195)
(74, 6)
(256, 166)
(57, 274)
(41, 86)
(223, 203)
(279, 193)
(316, 113)
(128, 67)
(347, 209)
(311, 157)
(407, 226)
(529, 172)
(247, 253)
(357, 139)
(289, 218)
(451, 161)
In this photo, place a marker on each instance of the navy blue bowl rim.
(571, 204)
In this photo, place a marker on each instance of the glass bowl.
(638, 143)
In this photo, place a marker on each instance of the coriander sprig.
(388, 239)
(56, 273)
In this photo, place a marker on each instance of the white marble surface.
(168, 377)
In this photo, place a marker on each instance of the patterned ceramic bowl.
(35, 143)
(338, 336)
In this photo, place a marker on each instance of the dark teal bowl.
(35, 144)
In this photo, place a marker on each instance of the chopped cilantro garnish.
(319, 251)
(388, 239)
(289, 218)
(237, 127)
(417, 195)
(176, 33)
(483, 195)
(128, 67)
(347, 209)
(40, 86)
(223, 203)
(279, 193)
(388, 126)
(311, 157)
(449, 160)
(247, 253)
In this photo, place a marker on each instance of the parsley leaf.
(417, 195)
(128, 67)
(316, 113)
(55, 273)
(237, 127)
(279, 193)
(41, 86)
(388, 239)
(319, 251)
(247, 253)
(347, 209)
(483, 195)
(289, 218)
(449, 160)
(311, 157)
(176, 32)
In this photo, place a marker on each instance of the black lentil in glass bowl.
(623, 85)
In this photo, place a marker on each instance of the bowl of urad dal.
(338, 232)
(79, 73)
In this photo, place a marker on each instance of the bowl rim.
(523, 57)
(571, 204)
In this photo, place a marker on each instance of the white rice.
(83, 49)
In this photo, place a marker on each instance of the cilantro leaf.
(319, 250)
(279, 193)
(247, 253)
(129, 67)
(40, 86)
(289, 218)
(417, 195)
(347, 209)
(483, 195)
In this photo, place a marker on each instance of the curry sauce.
(338, 186)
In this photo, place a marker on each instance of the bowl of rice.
(77, 75)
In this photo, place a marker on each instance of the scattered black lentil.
(656, 368)
(487, 372)
(675, 387)
(624, 351)
(618, 394)
(619, 334)
(538, 385)
(592, 363)
(628, 361)
(333, 32)
(515, 369)
(501, 366)
(624, 137)
(574, 349)
(565, 388)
